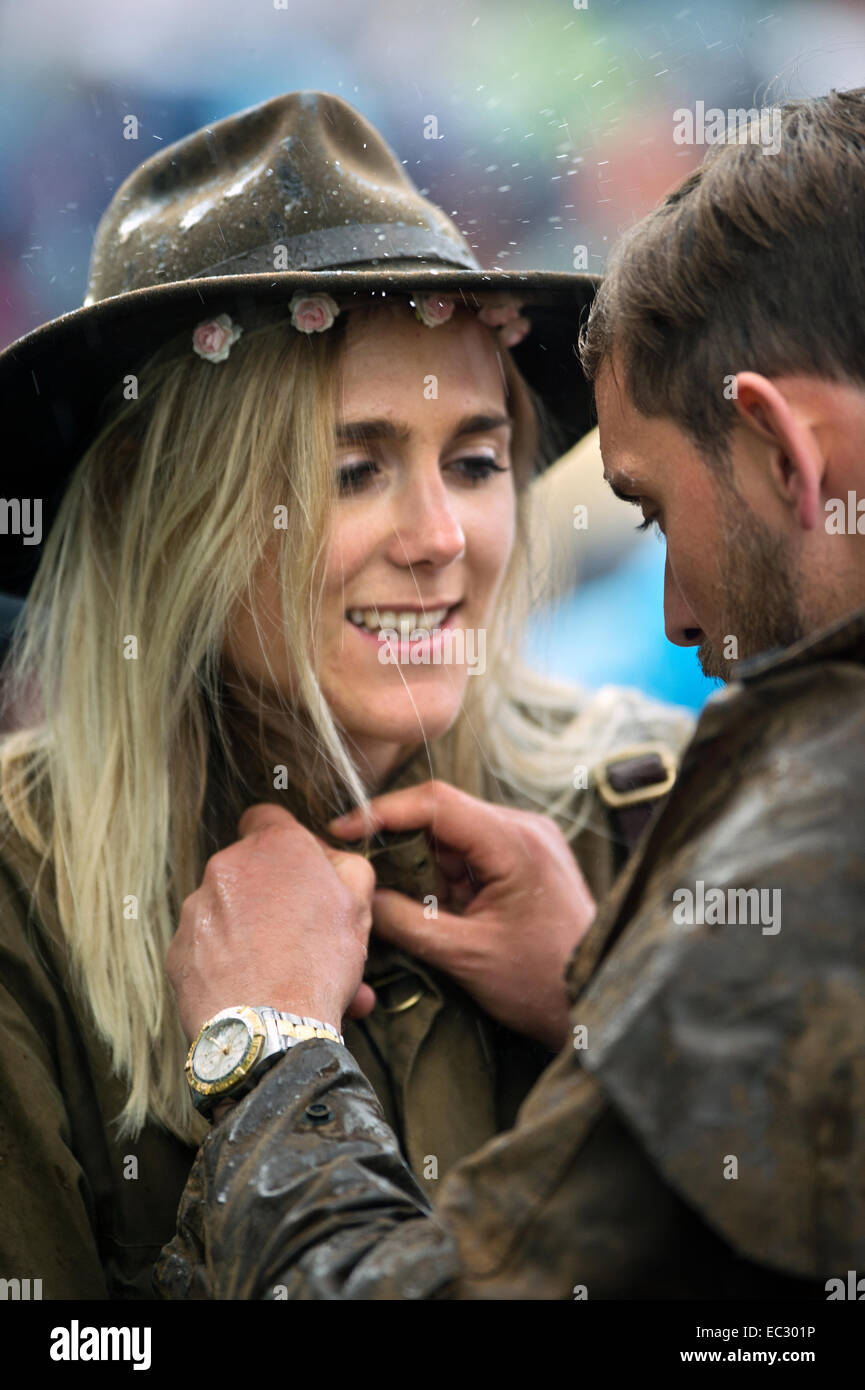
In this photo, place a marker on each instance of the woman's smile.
(402, 635)
(369, 620)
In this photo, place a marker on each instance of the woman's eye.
(354, 475)
(650, 521)
(478, 468)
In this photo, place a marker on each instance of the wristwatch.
(236, 1046)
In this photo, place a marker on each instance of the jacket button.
(318, 1113)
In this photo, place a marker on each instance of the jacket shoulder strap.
(631, 783)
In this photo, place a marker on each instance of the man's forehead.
(627, 438)
(616, 415)
(620, 465)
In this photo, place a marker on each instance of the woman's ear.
(795, 457)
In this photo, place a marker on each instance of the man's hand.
(278, 919)
(524, 902)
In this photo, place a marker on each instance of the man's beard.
(760, 594)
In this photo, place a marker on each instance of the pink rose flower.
(313, 313)
(433, 309)
(513, 332)
(497, 315)
(213, 339)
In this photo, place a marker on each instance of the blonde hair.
(160, 533)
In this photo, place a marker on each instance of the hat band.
(334, 247)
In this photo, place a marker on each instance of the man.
(702, 1132)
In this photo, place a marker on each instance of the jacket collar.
(844, 640)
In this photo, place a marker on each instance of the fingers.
(356, 873)
(263, 816)
(401, 921)
(333, 854)
(462, 822)
(363, 1002)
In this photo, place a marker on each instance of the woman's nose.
(426, 526)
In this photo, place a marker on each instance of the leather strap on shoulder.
(631, 783)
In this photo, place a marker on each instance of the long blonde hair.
(160, 533)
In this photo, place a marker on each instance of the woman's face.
(421, 533)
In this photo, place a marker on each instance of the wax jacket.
(703, 1136)
(87, 1213)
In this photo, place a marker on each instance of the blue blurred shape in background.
(610, 631)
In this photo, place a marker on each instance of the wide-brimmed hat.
(297, 197)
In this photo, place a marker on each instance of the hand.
(525, 903)
(276, 920)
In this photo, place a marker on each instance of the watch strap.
(293, 1028)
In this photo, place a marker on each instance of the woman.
(290, 563)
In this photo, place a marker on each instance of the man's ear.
(797, 462)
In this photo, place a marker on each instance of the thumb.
(401, 921)
(355, 871)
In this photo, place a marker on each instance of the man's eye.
(477, 468)
(354, 475)
(650, 521)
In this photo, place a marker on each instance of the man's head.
(727, 348)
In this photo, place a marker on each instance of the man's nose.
(680, 624)
(426, 526)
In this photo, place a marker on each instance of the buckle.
(390, 979)
(650, 791)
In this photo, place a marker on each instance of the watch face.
(222, 1049)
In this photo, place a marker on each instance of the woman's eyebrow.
(358, 431)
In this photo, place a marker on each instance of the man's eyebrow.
(360, 431)
(623, 496)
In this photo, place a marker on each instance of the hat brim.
(54, 380)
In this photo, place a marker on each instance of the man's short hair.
(755, 262)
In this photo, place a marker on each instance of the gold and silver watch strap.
(289, 1029)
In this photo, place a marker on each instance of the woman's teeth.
(405, 623)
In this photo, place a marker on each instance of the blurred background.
(555, 124)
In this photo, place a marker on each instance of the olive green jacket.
(704, 1137)
(88, 1214)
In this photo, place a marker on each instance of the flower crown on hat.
(313, 313)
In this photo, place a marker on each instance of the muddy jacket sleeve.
(301, 1193)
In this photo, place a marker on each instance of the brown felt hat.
(297, 196)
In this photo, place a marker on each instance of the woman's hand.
(278, 919)
(524, 903)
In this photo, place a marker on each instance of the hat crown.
(300, 182)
